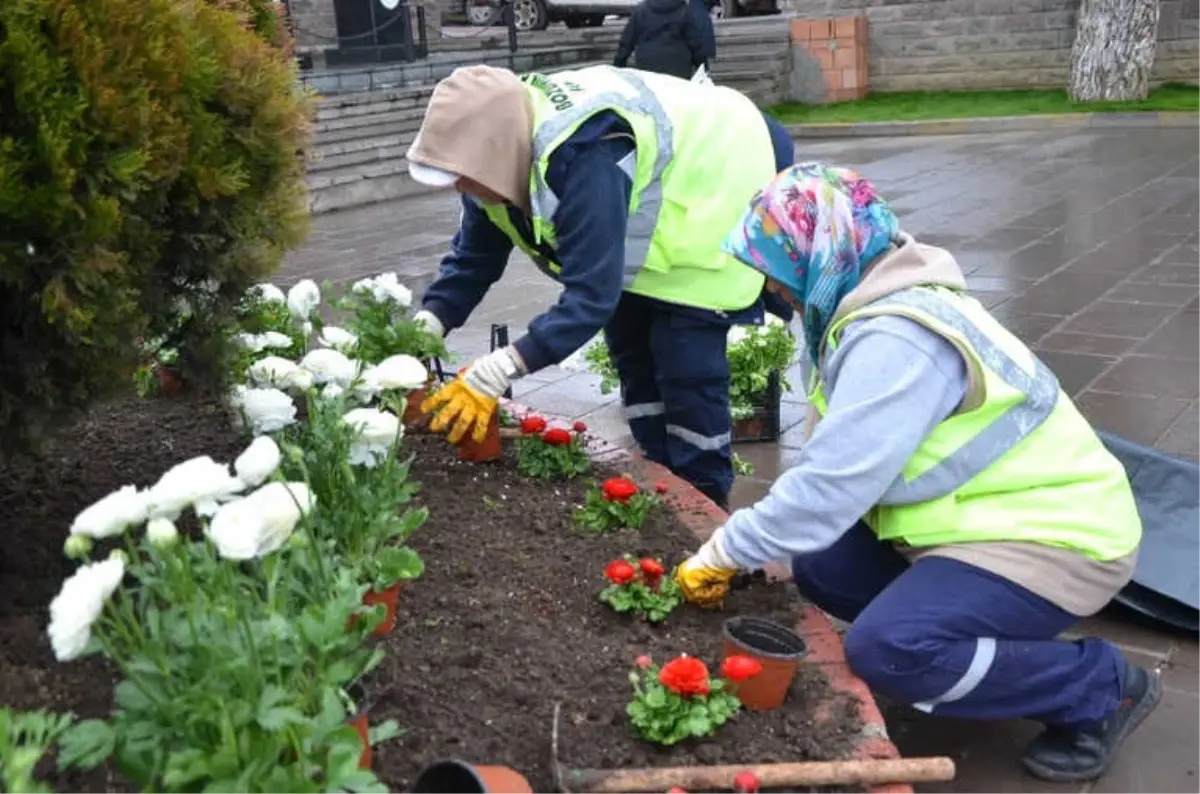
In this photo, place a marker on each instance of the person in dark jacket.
(702, 14)
(662, 36)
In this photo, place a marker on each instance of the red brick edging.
(699, 514)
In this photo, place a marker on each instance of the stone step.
(346, 127)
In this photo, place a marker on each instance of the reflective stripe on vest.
(642, 223)
(1040, 389)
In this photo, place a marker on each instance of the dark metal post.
(422, 34)
(509, 16)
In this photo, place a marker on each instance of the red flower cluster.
(532, 424)
(686, 676)
(652, 571)
(620, 572)
(660, 486)
(619, 489)
(556, 437)
(745, 782)
(739, 668)
(580, 427)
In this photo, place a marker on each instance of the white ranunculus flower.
(329, 366)
(258, 462)
(254, 343)
(112, 515)
(274, 339)
(267, 410)
(385, 287)
(737, 333)
(279, 372)
(261, 522)
(331, 391)
(303, 299)
(378, 431)
(398, 372)
(199, 483)
(268, 293)
(79, 603)
(773, 319)
(338, 338)
(161, 532)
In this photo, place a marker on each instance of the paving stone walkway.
(1084, 243)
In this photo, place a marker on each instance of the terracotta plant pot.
(413, 418)
(361, 726)
(463, 778)
(486, 451)
(169, 382)
(390, 598)
(777, 648)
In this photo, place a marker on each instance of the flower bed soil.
(129, 441)
(505, 622)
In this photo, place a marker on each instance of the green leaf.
(277, 710)
(86, 744)
(384, 731)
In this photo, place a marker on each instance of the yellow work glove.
(468, 403)
(705, 577)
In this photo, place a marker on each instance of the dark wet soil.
(504, 624)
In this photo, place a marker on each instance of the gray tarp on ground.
(1166, 583)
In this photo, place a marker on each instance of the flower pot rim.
(730, 626)
(465, 767)
(363, 701)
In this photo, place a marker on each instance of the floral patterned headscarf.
(814, 228)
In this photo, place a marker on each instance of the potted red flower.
(640, 587)
(680, 700)
(548, 453)
(615, 503)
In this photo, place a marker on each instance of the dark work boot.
(1061, 755)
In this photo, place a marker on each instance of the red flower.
(739, 668)
(643, 661)
(619, 489)
(652, 570)
(580, 427)
(685, 676)
(745, 782)
(660, 486)
(620, 572)
(677, 790)
(556, 437)
(532, 424)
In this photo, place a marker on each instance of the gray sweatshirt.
(890, 382)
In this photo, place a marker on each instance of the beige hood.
(479, 124)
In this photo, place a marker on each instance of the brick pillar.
(829, 59)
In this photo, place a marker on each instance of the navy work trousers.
(953, 639)
(675, 388)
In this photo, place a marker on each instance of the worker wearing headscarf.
(951, 502)
(619, 184)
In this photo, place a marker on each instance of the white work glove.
(712, 553)
(431, 322)
(494, 373)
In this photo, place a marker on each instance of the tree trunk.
(1114, 50)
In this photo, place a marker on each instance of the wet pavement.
(1084, 243)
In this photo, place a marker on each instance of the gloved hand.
(470, 400)
(705, 577)
(431, 322)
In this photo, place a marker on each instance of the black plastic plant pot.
(763, 425)
(458, 777)
(777, 648)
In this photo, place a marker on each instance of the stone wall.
(977, 44)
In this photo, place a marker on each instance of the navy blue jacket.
(591, 217)
(704, 24)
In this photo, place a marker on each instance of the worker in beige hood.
(951, 504)
(620, 185)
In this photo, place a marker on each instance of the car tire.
(530, 15)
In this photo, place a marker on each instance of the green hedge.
(148, 162)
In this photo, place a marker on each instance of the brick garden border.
(994, 124)
(699, 514)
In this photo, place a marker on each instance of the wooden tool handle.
(866, 772)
